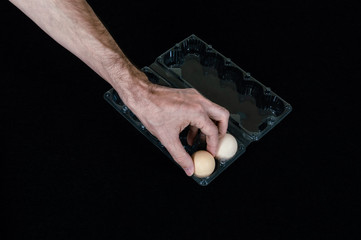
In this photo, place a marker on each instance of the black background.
(73, 168)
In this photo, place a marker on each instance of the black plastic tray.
(255, 109)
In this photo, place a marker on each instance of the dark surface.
(73, 168)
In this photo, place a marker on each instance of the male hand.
(166, 112)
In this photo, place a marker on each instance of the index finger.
(208, 128)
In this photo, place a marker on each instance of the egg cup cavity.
(192, 63)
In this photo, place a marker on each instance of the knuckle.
(213, 130)
(225, 113)
(193, 91)
(197, 108)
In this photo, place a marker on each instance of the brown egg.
(204, 163)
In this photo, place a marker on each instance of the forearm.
(74, 25)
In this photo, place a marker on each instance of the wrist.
(131, 84)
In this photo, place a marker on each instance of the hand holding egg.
(204, 163)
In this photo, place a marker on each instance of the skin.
(165, 112)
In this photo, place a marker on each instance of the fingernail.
(189, 171)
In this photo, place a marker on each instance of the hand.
(165, 112)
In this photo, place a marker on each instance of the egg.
(227, 147)
(204, 163)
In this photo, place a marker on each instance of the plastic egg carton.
(254, 108)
